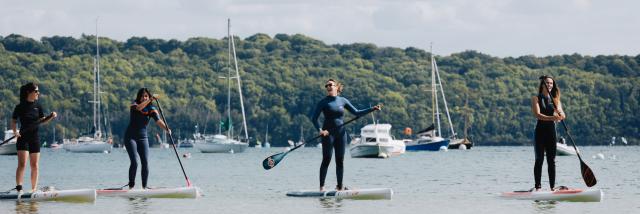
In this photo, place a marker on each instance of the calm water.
(423, 182)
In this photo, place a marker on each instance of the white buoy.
(231, 151)
(444, 148)
(462, 147)
(383, 155)
(105, 151)
(600, 156)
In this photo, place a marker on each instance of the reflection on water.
(331, 204)
(545, 206)
(26, 207)
(139, 205)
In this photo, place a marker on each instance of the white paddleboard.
(76, 195)
(574, 195)
(377, 193)
(178, 192)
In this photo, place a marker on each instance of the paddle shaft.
(173, 144)
(27, 129)
(587, 174)
(281, 155)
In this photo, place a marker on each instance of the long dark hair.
(141, 93)
(25, 90)
(555, 91)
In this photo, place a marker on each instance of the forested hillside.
(283, 78)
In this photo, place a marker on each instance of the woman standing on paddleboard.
(135, 138)
(30, 114)
(545, 133)
(334, 136)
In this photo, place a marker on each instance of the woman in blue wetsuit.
(547, 114)
(334, 136)
(135, 139)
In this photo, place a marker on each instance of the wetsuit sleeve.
(153, 113)
(16, 112)
(354, 110)
(40, 112)
(316, 114)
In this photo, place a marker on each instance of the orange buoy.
(407, 131)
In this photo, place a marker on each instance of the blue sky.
(496, 27)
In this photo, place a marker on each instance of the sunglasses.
(36, 91)
(328, 85)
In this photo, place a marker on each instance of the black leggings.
(545, 143)
(142, 147)
(338, 143)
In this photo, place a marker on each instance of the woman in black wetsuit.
(30, 114)
(135, 139)
(332, 106)
(547, 114)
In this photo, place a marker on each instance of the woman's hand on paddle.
(17, 134)
(324, 133)
(377, 107)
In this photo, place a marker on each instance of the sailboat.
(95, 143)
(430, 139)
(221, 143)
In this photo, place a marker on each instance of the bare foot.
(321, 189)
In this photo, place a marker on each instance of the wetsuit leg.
(339, 145)
(130, 145)
(143, 152)
(550, 149)
(539, 158)
(327, 151)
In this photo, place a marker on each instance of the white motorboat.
(9, 148)
(376, 142)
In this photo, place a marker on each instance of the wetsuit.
(135, 139)
(333, 110)
(29, 114)
(545, 141)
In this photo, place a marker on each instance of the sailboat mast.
(434, 94)
(229, 80)
(235, 60)
(444, 99)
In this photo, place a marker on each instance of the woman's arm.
(144, 104)
(535, 108)
(355, 111)
(560, 111)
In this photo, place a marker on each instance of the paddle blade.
(587, 175)
(273, 160)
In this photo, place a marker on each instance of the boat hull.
(431, 146)
(9, 149)
(564, 150)
(88, 147)
(79, 195)
(361, 194)
(573, 195)
(180, 192)
(221, 147)
(371, 151)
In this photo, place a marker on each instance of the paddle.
(172, 143)
(29, 128)
(273, 160)
(587, 174)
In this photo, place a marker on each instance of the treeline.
(283, 78)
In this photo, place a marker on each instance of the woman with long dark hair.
(334, 135)
(30, 114)
(543, 108)
(136, 139)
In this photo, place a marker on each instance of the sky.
(496, 27)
